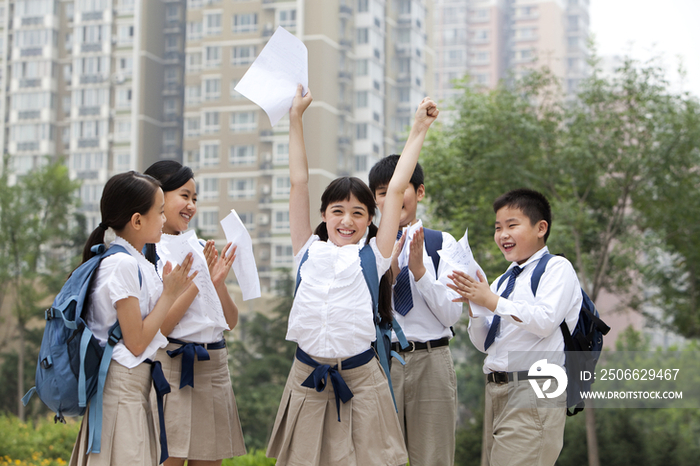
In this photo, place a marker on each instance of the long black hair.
(341, 189)
(172, 175)
(124, 195)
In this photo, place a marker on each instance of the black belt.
(505, 377)
(419, 345)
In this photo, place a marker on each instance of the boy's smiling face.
(411, 198)
(516, 236)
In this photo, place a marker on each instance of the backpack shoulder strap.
(298, 282)
(433, 243)
(537, 273)
(117, 249)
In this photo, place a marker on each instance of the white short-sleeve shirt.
(118, 278)
(332, 315)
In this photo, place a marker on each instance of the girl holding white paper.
(201, 416)
(351, 418)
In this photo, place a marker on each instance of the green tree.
(260, 366)
(615, 161)
(35, 236)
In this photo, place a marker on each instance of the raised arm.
(391, 214)
(299, 210)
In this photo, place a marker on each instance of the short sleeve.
(123, 277)
(383, 263)
(302, 251)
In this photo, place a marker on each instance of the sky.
(646, 28)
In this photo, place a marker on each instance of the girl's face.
(180, 207)
(153, 221)
(346, 221)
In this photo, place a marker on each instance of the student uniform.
(426, 387)
(128, 430)
(514, 435)
(201, 419)
(332, 320)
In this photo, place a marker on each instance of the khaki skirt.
(128, 431)
(202, 422)
(307, 431)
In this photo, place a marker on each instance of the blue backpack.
(382, 345)
(72, 365)
(582, 346)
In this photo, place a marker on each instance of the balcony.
(33, 21)
(88, 143)
(92, 16)
(92, 79)
(29, 115)
(29, 82)
(91, 47)
(345, 11)
(27, 146)
(89, 111)
(31, 52)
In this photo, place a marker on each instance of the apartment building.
(491, 40)
(367, 72)
(96, 81)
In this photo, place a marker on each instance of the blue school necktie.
(403, 299)
(491, 336)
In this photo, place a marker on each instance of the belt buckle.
(413, 346)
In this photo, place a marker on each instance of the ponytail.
(150, 253)
(322, 231)
(96, 237)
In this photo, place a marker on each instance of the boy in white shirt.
(425, 387)
(524, 326)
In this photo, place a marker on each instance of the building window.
(242, 122)
(209, 156)
(208, 188)
(193, 61)
(362, 99)
(123, 98)
(248, 220)
(281, 153)
(212, 88)
(361, 163)
(212, 24)
(287, 18)
(192, 126)
(362, 6)
(242, 55)
(362, 131)
(362, 67)
(241, 188)
(284, 255)
(194, 30)
(211, 122)
(212, 56)
(242, 155)
(281, 221)
(208, 220)
(125, 34)
(193, 94)
(172, 43)
(169, 137)
(281, 185)
(362, 36)
(172, 12)
(245, 22)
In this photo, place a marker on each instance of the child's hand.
(478, 292)
(300, 103)
(220, 269)
(211, 255)
(427, 113)
(176, 280)
(415, 256)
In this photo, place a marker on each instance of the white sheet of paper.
(460, 257)
(244, 266)
(409, 232)
(272, 79)
(177, 247)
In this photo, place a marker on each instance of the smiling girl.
(201, 416)
(332, 318)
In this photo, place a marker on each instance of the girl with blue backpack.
(201, 416)
(351, 420)
(128, 290)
